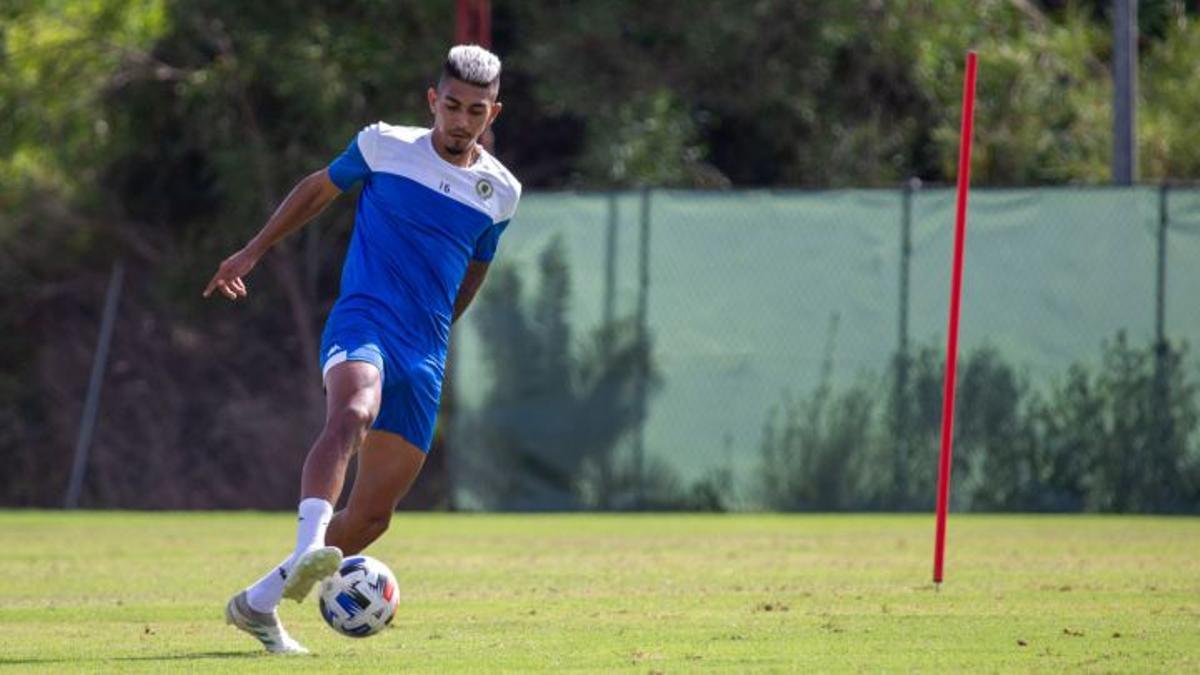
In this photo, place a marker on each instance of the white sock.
(315, 514)
(264, 595)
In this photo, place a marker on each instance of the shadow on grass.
(163, 657)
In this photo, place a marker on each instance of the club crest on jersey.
(484, 189)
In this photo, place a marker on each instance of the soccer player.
(433, 205)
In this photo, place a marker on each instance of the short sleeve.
(485, 246)
(354, 164)
(349, 168)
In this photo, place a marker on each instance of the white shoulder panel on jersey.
(487, 186)
(378, 136)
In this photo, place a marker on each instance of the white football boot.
(266, 628)
(312, 567)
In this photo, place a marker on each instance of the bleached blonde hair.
(472, 64)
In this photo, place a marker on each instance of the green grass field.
(116, 592)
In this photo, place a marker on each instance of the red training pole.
(473, 22)
(960, 231)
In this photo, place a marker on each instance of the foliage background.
(163, 133)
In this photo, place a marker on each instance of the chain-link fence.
(634, 345)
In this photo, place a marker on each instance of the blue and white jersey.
(420, 220)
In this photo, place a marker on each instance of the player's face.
(461, 113)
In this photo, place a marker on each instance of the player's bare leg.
(387, 467)
(353, 392)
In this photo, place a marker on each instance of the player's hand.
(228, 278)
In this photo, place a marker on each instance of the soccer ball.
(359, 599)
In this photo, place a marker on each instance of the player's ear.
(495, 111)
(432, 96)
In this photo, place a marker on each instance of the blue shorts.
(412, 381)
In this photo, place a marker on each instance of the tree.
(554, 413)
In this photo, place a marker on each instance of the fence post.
(87, 422)
(1124, 66)
(1160, 290)
(639, 441)
(610, 264)
(1163, 422)
(900, 407)
(609, 318)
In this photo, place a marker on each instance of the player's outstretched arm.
(472, 280)
(310, 196)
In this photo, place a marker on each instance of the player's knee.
(352, 419)
(372, 524)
